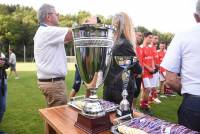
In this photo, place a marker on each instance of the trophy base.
(93, 125)
(120, 113)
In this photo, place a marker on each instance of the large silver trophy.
(125, 62)
(93, 45)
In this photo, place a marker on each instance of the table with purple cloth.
(153, 125)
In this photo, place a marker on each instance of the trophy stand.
(93, 125)
(93, 119)
(124, 107)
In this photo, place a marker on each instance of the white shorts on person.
(155, 81)
(148, 82)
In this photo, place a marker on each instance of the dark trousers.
(3, 96)
(138, 85)
(189, 112)
(77, 80)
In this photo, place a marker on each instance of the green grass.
(167, 110)
(24, 100)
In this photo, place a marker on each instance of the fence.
(71, 59)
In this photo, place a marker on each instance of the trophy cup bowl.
(93, 50)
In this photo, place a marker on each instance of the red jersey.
(139, 54)
(155, 55)
(147, 58)
(161, 55)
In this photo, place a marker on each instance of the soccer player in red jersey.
(138, 77)
(164, 89)
(161, 53)
(138, 47)
(153, 96)
(147, 60)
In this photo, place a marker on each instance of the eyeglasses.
(57, 14)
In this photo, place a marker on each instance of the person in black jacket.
(77, 85)
(3, 84)
(124, 41)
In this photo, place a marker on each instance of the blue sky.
(163, 15)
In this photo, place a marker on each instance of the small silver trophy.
(125, 62)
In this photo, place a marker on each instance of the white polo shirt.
(183, 56)
(49, 52)
(12, 58)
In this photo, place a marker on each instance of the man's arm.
(68, 37)
(173, 81)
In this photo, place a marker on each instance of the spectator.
(77, 84)
(12, 61)
(183, 56)
(3, 85)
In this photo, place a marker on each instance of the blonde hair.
(123, 24)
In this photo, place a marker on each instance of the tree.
(141, 29)
(18, 25)
(5, 34)
(166, 37)
(81, 16)
(156, 32)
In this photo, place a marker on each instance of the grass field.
(24, 100)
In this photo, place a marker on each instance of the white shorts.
(162, 78)
(155, 81)
(147, 82)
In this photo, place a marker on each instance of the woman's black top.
(113, 83)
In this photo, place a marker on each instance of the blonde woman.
(124, 45)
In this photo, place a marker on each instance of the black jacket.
(3, 74)
(114, 77)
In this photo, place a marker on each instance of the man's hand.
(68, 37)
(151, 70)
(173, 81)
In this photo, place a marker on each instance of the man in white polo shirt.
(50, 57)
(183, 56)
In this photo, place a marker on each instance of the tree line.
(18, 25)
